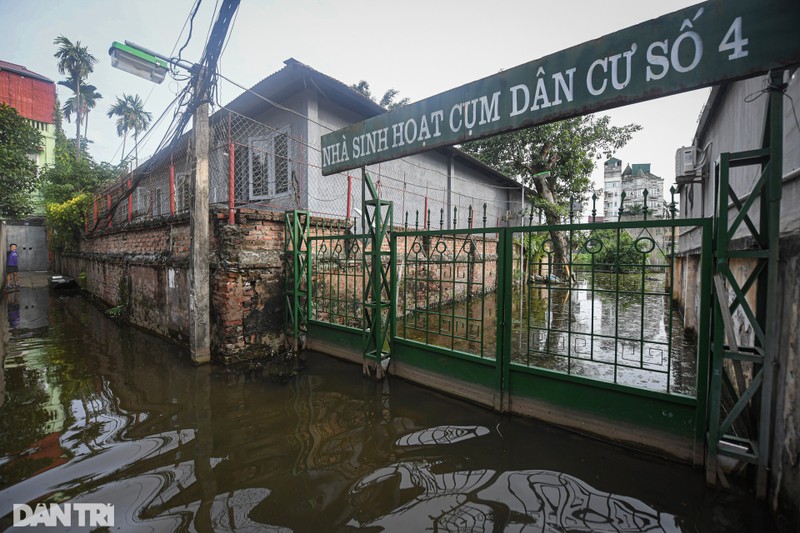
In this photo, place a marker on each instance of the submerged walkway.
(32, 279)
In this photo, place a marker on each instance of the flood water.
(616, 328)
(95, 411)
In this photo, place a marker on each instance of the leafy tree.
(89, 98)
(131, 115)
(612, 250)
(556, 161)
(66, 188)
(75, 61)
(387, 100)
(66, 218)
(69, 177)
(18, 174)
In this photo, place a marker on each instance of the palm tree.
(75, 61)
(89, 98)
(131, 115)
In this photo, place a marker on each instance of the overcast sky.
(420, 48)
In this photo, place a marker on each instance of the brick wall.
(144, 268)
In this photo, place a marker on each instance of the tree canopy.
(89, 97)
(77, 63)
(18, 175)
(387, 101)
(131, 115)
(555, 160)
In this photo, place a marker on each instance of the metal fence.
(253, 164)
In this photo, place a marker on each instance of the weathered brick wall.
(144, 268)
(247, 285)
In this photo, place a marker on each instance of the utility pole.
(199, 306)
(150, 65)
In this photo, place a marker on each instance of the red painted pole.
(231, 193)
(349, 195)
(171, 188)
(130, 201)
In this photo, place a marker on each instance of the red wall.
(33, 99)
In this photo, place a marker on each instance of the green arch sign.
(695, 47)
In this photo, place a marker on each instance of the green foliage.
(77, 63)
(533, 246)
(567, 149)
(387, 101)
(131, 115)
(67, 218)
(67, 186)
(612, 256)
(69, 177)
(634, 210)
(18, 175)
(88, 98)
(556, 161)
(116, 311)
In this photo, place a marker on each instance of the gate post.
(505, 283)
(378, 296)
(297, 274)
(753, 397)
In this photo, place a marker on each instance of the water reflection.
(97, 412)
(441, 435)
(617, 328)
(483, 500)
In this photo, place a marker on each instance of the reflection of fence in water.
(614, 327)
(442, 280)
(485, 500)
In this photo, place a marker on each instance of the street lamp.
(138, 62)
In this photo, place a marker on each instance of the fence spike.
(469, 216)
(672, 206)
(594, 206)
(484, 215)
(621, 204)
(441, 218)
(571, 209)
(644, 202)
(455, 217)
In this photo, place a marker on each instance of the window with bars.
(269, 168)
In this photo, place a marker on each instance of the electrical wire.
(187, 21)
(191, 27)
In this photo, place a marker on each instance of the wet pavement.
(94, 411)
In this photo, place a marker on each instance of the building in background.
(34, 98)
(634, 180)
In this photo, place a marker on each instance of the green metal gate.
(593, 339)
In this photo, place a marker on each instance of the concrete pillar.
(199, 323)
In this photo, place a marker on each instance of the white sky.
(420, 48)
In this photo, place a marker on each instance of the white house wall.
(738, 125)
